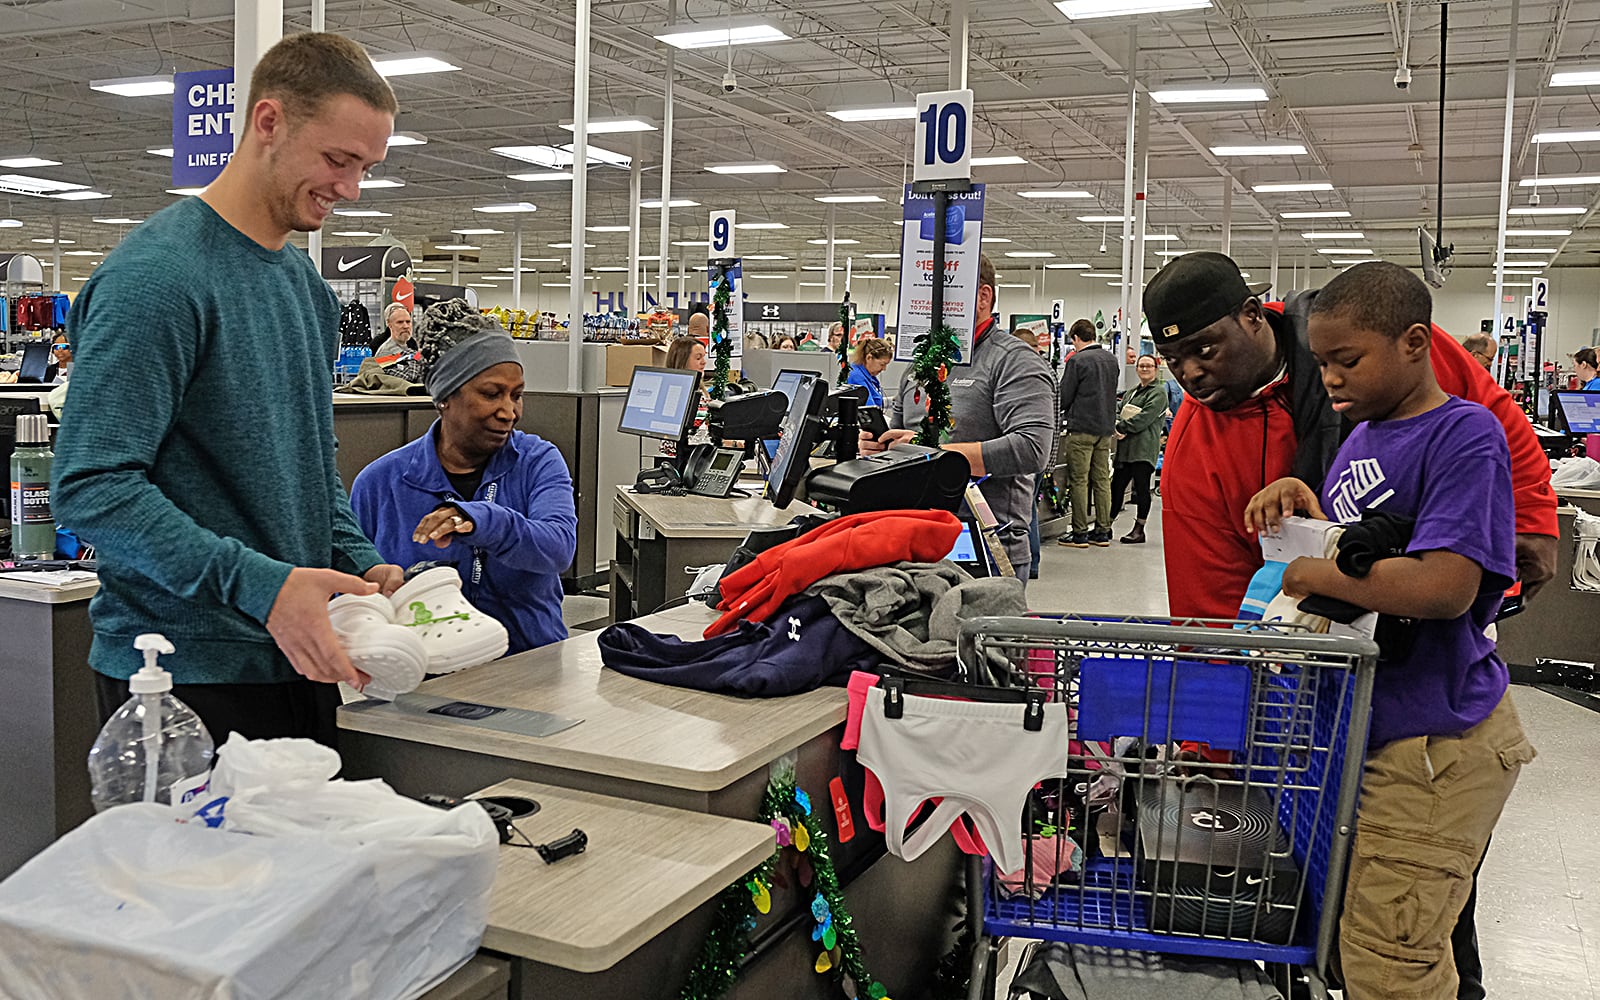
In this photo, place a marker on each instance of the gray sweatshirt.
(1004, 398)
(1089, 392)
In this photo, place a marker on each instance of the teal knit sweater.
(196, 451)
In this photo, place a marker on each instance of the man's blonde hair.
(303, 71)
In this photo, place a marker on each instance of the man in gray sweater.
(1000, 401)
(1088, 408)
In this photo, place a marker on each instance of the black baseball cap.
(1192, 292)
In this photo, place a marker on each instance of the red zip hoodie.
(1215, 462)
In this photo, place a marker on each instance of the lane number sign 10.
(943, 148)
(722, 235)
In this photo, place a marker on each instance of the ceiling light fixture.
(542, 175)
(108, 222)
(1344, 251)
(888, 113)
(994, 239)
(674, 203)
(1289, 186)
(1068, 267)
(1512, 233)
(163, 151)
(354, 233)
(478, 232)
(414, 64)
(381, 182)
(1054, 193)
(1083, 10)
(395, 139)
(759, 225)
(1576, 78)
(1530, 209)
(691, 243)
(609, 229)
(79, 195)
(134, 86)
(1100, 274)
(848, 199)
(747, 168)
(611, 126)
(82, 253)
(431, 270)
(750, 34)
(768, 277)
(998, 161)
(1526, 182)
(1571, 135)
(837, 242)
(35, 186)
(508, 208)
(1510, 284)
(883, 256)
(362, 213)
(1100, 218)
(1539, 250)
(47, 241)
(1029, 254)
(554, 157)
(1319, 214)
(1333, 236)
(760, 256)
(1162, 238)
(1209, 95)
(1260, 149)
(554, 260)
(568, 246)
(455, 246)
(1172, 253)
(186, 192)
(26, 162)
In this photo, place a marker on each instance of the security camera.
(1102, 248)
(1402, 77)
(1533, 197)
(730, 82)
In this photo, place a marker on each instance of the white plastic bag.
(244, 764)
(308, 889)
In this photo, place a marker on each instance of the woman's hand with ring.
(439, 525)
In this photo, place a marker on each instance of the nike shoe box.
(1216, 861)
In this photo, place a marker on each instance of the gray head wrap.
(458, 343)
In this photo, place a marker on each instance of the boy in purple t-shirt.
(1445, 746)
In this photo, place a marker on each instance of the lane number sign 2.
(943, 148)
(722, 235)
(1540, 296)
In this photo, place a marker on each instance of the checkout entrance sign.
(202, 126)
(963, 232)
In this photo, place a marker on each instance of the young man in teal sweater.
(196, 452)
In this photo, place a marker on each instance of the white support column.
(635, 182)
(1505, 173)
(1273, 277)
(55, 254)
(959, 44)
(1134, 292)
(516, 267)
(580, 189)
(666, 175)
(455, 268)
(827, 264)
(257, 27)
(319, 22)
(1127, 170)
(1227, 214)
(683, 274)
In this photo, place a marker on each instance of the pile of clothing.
(853, 594)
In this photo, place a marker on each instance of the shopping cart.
(1239, 752)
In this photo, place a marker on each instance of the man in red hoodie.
(1263, 414)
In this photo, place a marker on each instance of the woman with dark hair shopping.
(1138, 445)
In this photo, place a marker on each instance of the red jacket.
(856, 541)
(1215, 462)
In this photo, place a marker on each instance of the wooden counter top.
(646, 867)
(632, 729)
(709, 517)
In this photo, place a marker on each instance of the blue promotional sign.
(202, 125)
(963, 232)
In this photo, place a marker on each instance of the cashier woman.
(475, 492)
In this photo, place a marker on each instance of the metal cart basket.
(1206, 798)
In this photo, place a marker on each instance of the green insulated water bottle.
(33, 529)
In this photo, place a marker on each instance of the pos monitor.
(801, 430)
(788, 379)
(1580, 409)
(661, 403)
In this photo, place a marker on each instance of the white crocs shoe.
(392, 656)
(455, 634)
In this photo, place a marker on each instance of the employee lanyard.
(477, 553)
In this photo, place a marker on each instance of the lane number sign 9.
(943, 149)
(722, 235)
(1541, 296)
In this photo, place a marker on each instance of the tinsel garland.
(721, 345)
(930, 366)
(802, 844)
(844, 341)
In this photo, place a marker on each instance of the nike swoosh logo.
(345, 265)
(1253, 880)
(395, 265)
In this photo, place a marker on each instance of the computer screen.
(967, 552)
(35, 363)
(793, 457)
(788, 379)
(661, 402)
(1582, 411)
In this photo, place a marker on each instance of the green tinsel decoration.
(844, 341)
(721, 345)
(930, 366)
(787, 807)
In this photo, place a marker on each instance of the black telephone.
(872, 420)
(713, 473)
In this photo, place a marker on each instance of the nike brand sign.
(398, 263)
(345, 265)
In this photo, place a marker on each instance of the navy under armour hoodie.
(800, 648)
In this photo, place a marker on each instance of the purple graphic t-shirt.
(1450, 470)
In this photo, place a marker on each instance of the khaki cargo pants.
(1428, 805)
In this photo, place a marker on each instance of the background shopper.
(1088, 411)
(1138, 432)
